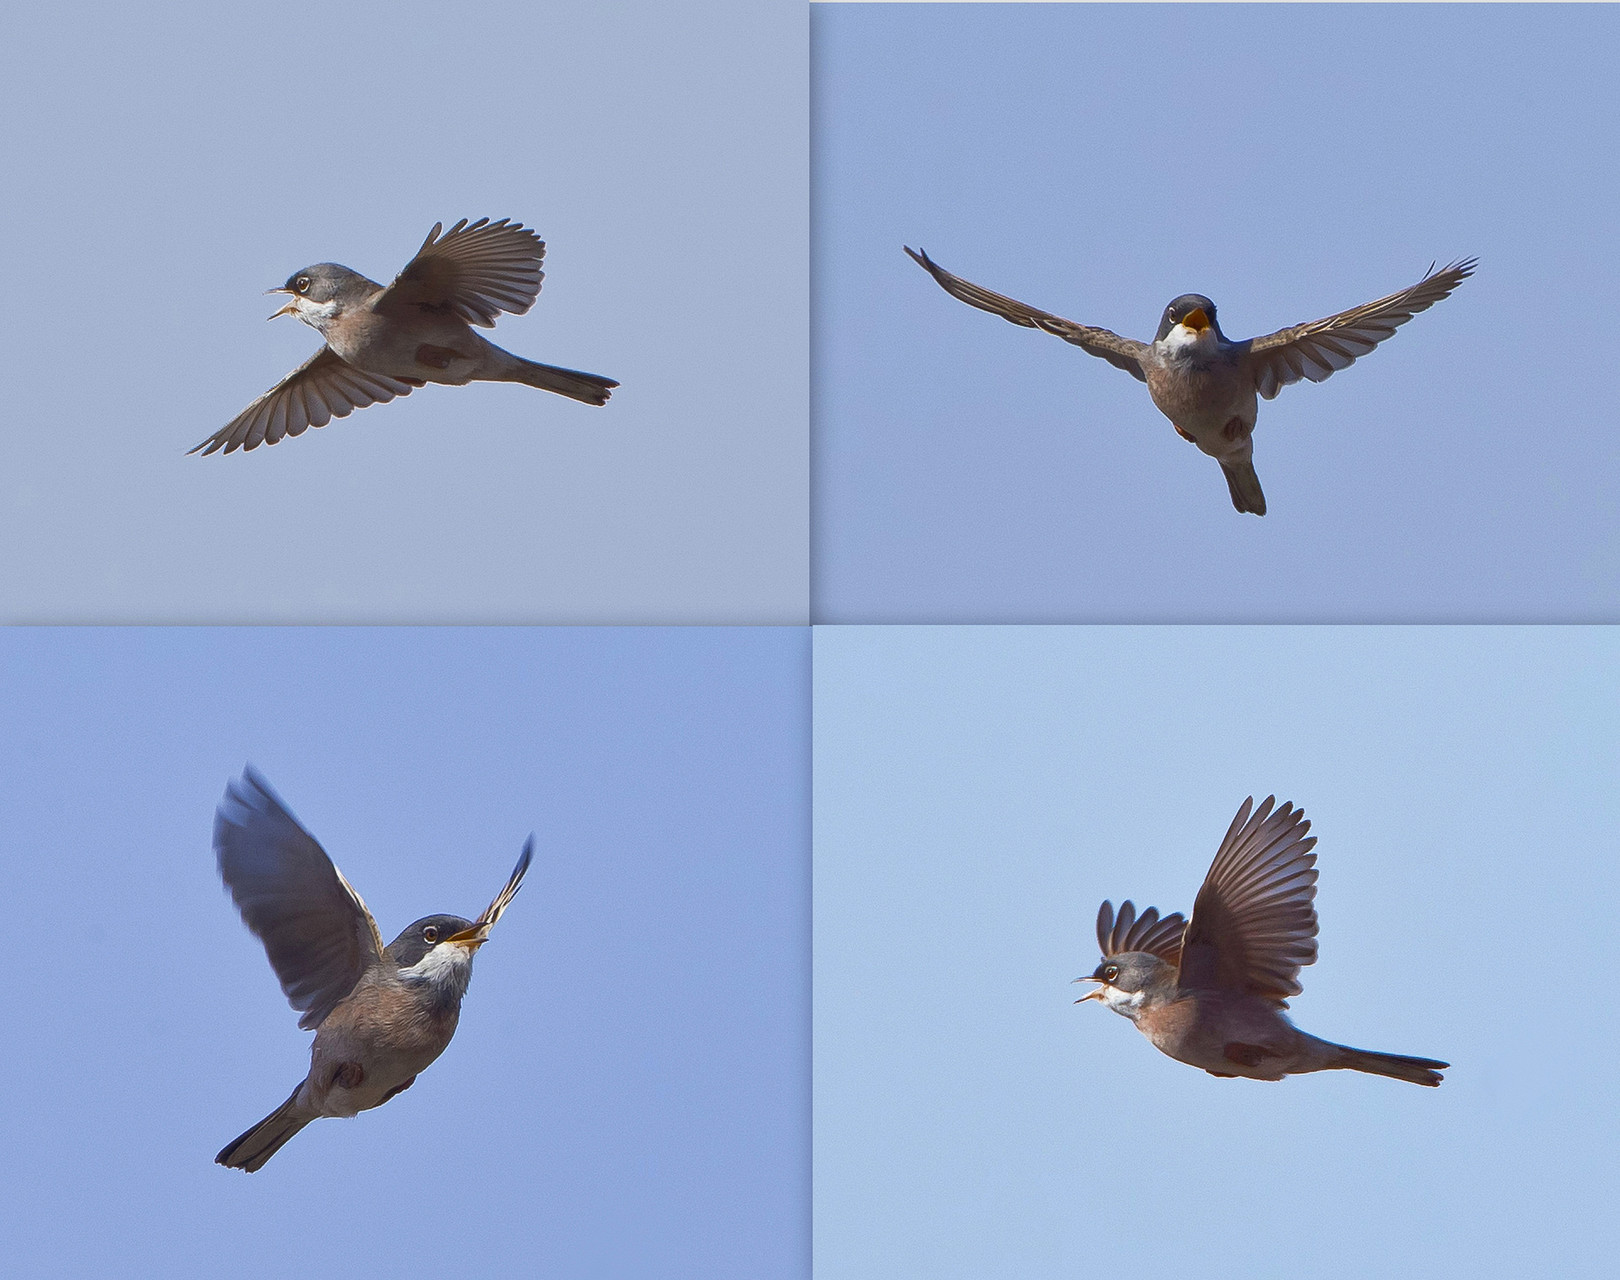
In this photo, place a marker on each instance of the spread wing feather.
(1123, 353)
(474, 271)
(316, 930)
(1253, 925)
(1146, 932)
(1319, 349)
(503, 899)
(322, 388)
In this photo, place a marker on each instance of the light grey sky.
(1289, 161)
(627, 1093)
(166, 165)
(978, 791)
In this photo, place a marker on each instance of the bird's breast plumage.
(1202, 390)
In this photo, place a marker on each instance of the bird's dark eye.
(430, 934)
(1110, 972)
(301, 284)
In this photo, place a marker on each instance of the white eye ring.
(1110, 973)
(430, 934)
(301, 284)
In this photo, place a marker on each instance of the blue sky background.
(627, 1092)
(979, 791)
(1288, 161)
(166, 165)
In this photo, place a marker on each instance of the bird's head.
(1131, 982)
(1189, 319)
(318, 295)
(436, 952)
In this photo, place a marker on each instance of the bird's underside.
(1208, 386)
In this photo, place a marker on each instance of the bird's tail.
(1394, 1065)
(264, 1139)
(1245, 487)
(589, 388)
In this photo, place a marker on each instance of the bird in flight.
(1210, 991)
(385, 342)
(1206, 384)
(380, 1014)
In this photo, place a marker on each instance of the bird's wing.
(1318, 349)
(315, 928)
(1146, 932)
(1253, 925)
(497, 909)
(1124, 353)
(322, 388)
(474, 272)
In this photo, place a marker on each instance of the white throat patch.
(447, 965)
(316, 314)
(1181, 338)
(1126, 1003)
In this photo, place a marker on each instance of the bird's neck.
(443, 973)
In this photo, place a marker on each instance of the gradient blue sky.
(166, 165)
(628, 1090)
(1288, 161)
(978, 791)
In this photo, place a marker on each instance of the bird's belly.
(439, 351)
(360, 1082)
(1204, 1027)
(370, 1047)
(1214, 407)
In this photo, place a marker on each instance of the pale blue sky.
(1288, 161)
(627, 1093)
(168, 163)
(978, 791)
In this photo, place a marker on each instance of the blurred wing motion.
(1322, 347)
(322, 388)
(315, 928)
(503, 899)
(1123, 353)
(474, 273)
(1253, 925)
(1131, 932)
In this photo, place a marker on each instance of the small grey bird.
(382, 343)
(380, 1014)
(1204, 383)
(1211, 991)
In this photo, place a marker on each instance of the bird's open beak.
(1196, 320)
(1090, 995)
(291, 309)
(472, 938)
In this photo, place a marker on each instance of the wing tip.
(921, 258)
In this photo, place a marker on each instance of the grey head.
(1133, 971)
(422, 936)
(435, 956)
(1131, 982)
(321, 293)
(1187, 305)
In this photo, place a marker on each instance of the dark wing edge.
(316, 929)
(322, 388)
(503, 899)
(1122, 353)
(1146, 932)
(1253, 924)
(1321, 348)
